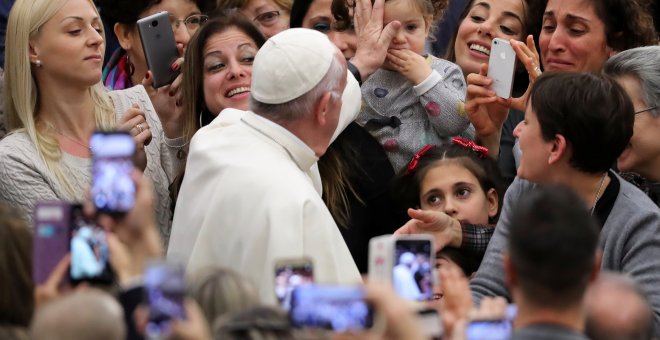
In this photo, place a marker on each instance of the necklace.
(74, 140)
(600, 188)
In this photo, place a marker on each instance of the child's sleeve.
(442, 96)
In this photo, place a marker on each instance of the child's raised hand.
(410, 64)
(444, 229)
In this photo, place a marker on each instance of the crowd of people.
(301, 129)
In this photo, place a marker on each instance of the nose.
(95, 38)
(181, 35)
(399, 37)
(556, 42)
(450, 208)
(337, 38)
(517, 130)
(486, 28)
(236, 70)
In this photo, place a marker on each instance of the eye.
(215, 67)
(463, 193)
(507, 30)
(322, 26)
(247, 60)
(576, 31)
(477, 18)
(433, 200)
(75, 32)
(411, 27)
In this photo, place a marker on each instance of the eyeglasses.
(646, 110)
(192, 22)
(267, 18)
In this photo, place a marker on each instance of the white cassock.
(250, 196)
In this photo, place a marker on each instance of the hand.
(373, 39)
(491, 308)
(410, 64)
(194, 327)
(168, 102)
(530, 59)
(456, 303)
(135, 122)
(50, 289)
(400, 322)
(133, 239)
(444, 229)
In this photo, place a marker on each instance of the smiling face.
(228, 58)
(486, 20)
(642, 155)
(319, 17)
(70, 46)
(535, 150)
(451, 188)
(573, 37)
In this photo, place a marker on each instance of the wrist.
(354, 71)
(363, 67)
(457, 234)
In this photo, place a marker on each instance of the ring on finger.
(139, 128)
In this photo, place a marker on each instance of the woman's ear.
(493, 202)
(124, 35)
(558, 149)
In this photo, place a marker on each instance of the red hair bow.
(482, 151)
(415, 160)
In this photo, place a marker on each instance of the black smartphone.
(113, 188)
(52, 232)
(289, 274)
(165, 290)
(90, 255)
(412, 274)
(159, 47)
(337, 308)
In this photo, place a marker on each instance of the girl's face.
(414, 25)
(487, 19)
(535, 157)
(267, 16)
(453, 189)
(319, 17)
(642, 155)
(573, 37)
(228, 58)
(70, 46)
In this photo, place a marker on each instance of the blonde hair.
(21, 94)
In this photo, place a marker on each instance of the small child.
(460, 180)
(412, 100)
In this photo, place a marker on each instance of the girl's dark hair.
(406, 187)
(128, 11)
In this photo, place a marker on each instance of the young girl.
(413, 100)
(460, 180)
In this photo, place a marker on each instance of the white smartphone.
(159, 47)
(429, 322)
(501, 66)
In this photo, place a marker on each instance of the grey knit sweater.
(24, 178)
(629, 239)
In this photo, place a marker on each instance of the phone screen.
(289, 275)
(412, 274)
(165, 289)
(113, 189)
(89, 250)
(492, 330)
(338, 308)
(52, 222)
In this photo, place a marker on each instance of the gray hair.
(303, 105)
(642, 64)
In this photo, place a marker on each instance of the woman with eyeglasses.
(269, 16)
(636, 70)
(128, 67)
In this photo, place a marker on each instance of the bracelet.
(354, 70)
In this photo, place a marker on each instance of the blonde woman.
(54, 100)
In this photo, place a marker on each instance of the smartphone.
(90, 255)
(493, 329)
(429, 322)
(412, 273)
(289, 274)
(159, 47)
(52, 220)
(113, 188)
(337, 308)
(501, 65)
(165, 290)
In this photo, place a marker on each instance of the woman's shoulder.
(16, 143)
(124, 99)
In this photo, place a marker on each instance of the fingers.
(527, 54)
(59, 272)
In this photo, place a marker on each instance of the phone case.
(52, 221)
(501, 66)
(113, 188)
(159, 47)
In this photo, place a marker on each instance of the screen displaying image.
(338, 308)
(412, 274)
(289, 276)
(89, 250)
(113, 189)
(165, 288)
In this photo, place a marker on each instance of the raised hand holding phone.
(501, 65)
(159, 47)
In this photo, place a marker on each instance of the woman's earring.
(130, 66)
(37, 63)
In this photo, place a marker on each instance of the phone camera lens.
(495, 42)
(154, 23)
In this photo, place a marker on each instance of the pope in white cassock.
(251, 193)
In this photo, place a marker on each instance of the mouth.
(479, 48)
(551, 63)
(237, 91)
(95, 57)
